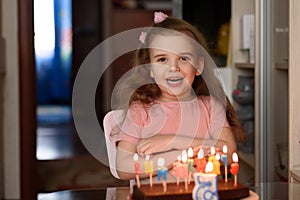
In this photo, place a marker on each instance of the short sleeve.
(217, 115)
(129, 127)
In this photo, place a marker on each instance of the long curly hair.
(142, 87)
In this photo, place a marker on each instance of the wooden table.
(275, 190)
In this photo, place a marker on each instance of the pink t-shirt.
(197, 118)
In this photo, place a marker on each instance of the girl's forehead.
(172, 43)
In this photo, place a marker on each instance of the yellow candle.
(216, 165)
(149, 168)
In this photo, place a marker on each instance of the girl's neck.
(165, 99)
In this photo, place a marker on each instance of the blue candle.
(162, 173)
(224, 159)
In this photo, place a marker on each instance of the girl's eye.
(161, 60)
(185, 58)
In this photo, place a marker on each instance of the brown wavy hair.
(142, 88)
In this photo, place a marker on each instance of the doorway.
(65, 149)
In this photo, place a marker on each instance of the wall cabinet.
(239, 62)
(277, 95)
(294, 91)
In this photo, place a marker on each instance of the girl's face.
(174, 66)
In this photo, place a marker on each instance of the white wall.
(11, 100)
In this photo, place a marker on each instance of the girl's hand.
(155, 144)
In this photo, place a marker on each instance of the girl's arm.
(125, 163)
(161, 142)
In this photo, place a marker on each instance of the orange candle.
(137, 169)
(200, 161)
(234, 167)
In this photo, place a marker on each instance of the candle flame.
(190, 153)
(200, 153)
(225, 149)
(209, 167)
(217, 156)
(184, 156)
(179, 158)
(135, 157)
(235, 157)
(213, 150)
(147, 157)
(160, 162)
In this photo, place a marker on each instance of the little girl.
(174, 100)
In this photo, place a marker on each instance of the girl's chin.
(179, 94)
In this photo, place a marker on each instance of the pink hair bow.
(159, 17)
(142, 37)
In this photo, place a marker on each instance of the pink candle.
(137, 169)
(234, 167)
(176, 169)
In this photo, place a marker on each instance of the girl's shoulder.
(205, 99)
(208, 101)
(139, 111)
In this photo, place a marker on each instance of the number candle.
(190, 164)
(225, 161)
(149, 168)
(205, 184)
(234, 168)
(200, 161)
(162, 173)
(137, 168)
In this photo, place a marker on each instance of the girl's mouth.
(174, 81)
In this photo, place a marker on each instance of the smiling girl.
(175, 99)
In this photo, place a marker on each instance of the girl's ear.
(200, 66)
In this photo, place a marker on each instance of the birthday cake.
(205, 184)
(226, 191)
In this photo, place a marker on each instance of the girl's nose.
(174, 66)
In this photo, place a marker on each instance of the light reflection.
(44, 34)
